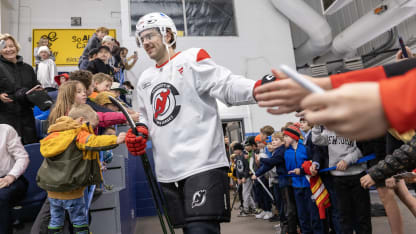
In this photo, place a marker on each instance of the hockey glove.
(137, 144)
(266, 79)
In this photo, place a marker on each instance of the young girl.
(43, 41)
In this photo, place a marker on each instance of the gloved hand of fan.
(137, 144)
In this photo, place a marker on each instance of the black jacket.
(97, 65)
(402, 159)
(93, 42)
(15, 80)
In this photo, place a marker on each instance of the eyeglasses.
(148, 37)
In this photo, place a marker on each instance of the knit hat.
(102, 98)
(43, 48)
(238, 146)
(293, 132)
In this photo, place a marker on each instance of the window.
(191, 17)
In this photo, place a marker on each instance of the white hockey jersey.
(177, 101)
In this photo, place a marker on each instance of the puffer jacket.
(71, 152)
(15, 79)
(402, 159)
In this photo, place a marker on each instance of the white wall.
(20, 17)
(264, 42)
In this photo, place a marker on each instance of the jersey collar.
(163, 64)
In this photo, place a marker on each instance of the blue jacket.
(277, 160)
(294, 159)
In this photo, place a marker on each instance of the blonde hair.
(278, 135)
(64, 101)
(286, 125)
(7, 36)
(101, 77)
(82, 110)
(103, 29)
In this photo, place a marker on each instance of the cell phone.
(403, 47)
(405, 175)
(298, 78)
(2, 44)
(33, 89)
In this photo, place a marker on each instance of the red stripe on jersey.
(202, 54)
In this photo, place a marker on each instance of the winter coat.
(294, 159)
(277, 160)
(110, 118)
(93, 43)
(97, 65)
(72, 160)
(402, 159)
(15, 80)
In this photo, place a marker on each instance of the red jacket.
(110, 118)
(398, 94)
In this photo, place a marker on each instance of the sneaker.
(261, 215)
(243, 214)
(277, 226)
(268, 215)
(257, 211)
(275, 218)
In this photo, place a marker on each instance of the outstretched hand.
(284, 95)
(353, 110)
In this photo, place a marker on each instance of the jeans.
(9, 195)
(353, 204)
(308, 213)
(75, 207)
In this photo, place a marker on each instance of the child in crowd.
(71, 163)
(101, 82)
(261, 196)
(243, 178)
(93, 42)
(101, 63)
(61, 79)
(46, 69)
(43, 41)
(353, 202)
(103, 99)
(319, 156)
(124, 63)
(117, 89)
(295, 155)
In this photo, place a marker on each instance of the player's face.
(152, 43)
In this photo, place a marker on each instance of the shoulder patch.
(202, 54)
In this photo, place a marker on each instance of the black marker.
(404, 52)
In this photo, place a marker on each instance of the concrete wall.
(263, 42)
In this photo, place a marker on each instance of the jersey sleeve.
(374, 73)
(398, 100)
(219, 82)
(141, 108)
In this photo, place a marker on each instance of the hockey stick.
(235, 196)
(258, 179)
(156, 193)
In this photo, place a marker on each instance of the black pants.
(199, 203)
(291, 214)
(8, 196)
(353, 204)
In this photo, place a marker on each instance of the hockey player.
(178, 110)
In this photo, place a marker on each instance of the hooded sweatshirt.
(339, 148)
(59, 142)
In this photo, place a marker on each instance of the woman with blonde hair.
(16, 78)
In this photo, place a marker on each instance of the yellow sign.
(67, 45)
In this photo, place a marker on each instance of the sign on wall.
(67, 45)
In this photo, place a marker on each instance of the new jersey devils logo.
(199, 198)
(165, 107)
